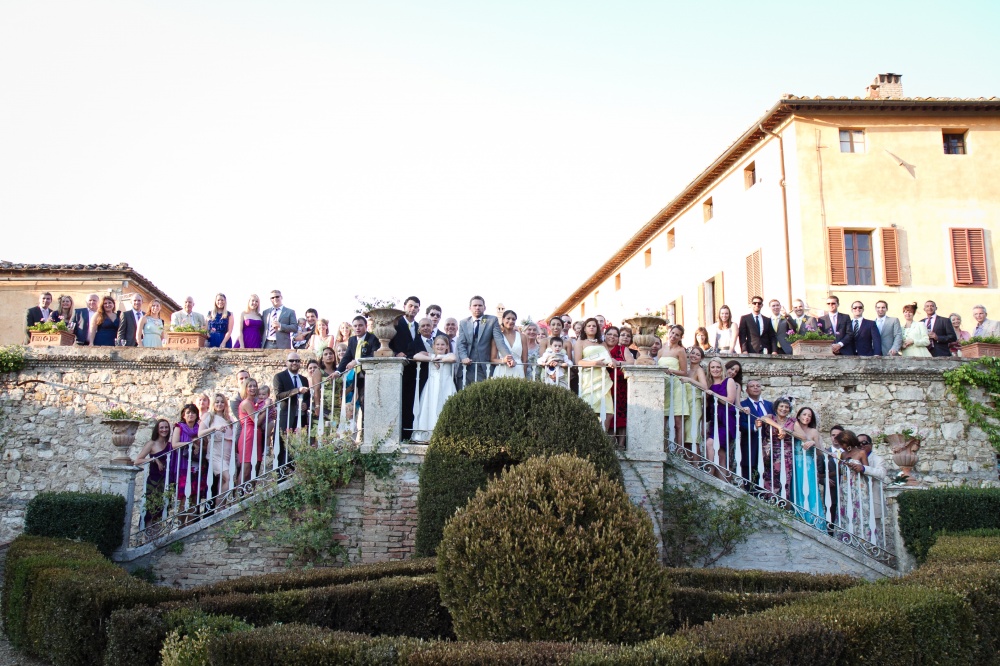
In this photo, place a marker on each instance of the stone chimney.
(886, 86)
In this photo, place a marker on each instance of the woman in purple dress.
(721, 414)
(187, 459)
(250, 326)
(156, 452)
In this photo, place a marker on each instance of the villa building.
(882, 197)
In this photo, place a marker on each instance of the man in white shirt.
(129, 323)
(985, 328)
(188, 317)
(451, 330)
(889, 329)
(39, 314)
(279, 324)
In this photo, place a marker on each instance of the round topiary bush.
(552, 550)
(491, 425)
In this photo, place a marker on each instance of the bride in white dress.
(518, 347)
(439, 387)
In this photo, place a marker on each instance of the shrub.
(755, 581)
(781, 642)
(553, 550)
(135, 636)
(491, 425)
(91, 517)
(299, 645)
(319, 577)
(925, 513)
(889, 624)
(977, 546)
(187, 644)
(979, 585)
(693, 606)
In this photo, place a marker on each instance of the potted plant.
(185, 337)
(644, 330)
(981, 346)
(124, 423)
(904, 445)
(811, 342)
(383, 315)
(48, 334)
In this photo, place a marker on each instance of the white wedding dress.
(518, 369)
(439, 387)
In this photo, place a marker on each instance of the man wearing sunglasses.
(280, 324)
(756, 332)
(836, 324)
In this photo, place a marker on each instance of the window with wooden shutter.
(679, 310)
(968, 257)
(755, 276)
(838, 264)
(718, 296)
(890, 257)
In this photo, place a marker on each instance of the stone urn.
(52, 339)
(643, 335)
(384, 327)
(184, 339)
(122, 436)
(904, 454)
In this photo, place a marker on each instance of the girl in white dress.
(439, 387)
(518, 348)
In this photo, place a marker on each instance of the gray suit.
(289, 325)
(479, 351)
(892, 335)
(990, 328)
(181, 318)
(781, 333)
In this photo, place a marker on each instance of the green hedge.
(755, 581)
(92, 517)
(890, 624)
(693, 606)
(923, 514)
(298, 645)
(324, 577)
(978, 546)
(491, 425)
(58, 597)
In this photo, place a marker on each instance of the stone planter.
(384, 327)
(815, 347)
(52, 339)
(973, 350)
(904, 454)
(122, 436)
(643, 335)
(181, 340)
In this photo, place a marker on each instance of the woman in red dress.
(622, 356)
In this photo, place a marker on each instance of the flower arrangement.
(906, 434)
(651, 313)
(118, 413)
(48, 327)
(188, 328)
(368, 303)
(811, 335)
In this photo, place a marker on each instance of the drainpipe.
(784, 207)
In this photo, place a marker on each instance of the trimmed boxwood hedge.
(755, 581)
(923, 514)
(692, 606)
(494, 424)
(92, 517)
(978, 546)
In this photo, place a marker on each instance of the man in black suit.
(865, 337)
(38, 314)
(84, 318)
(835, 324)
(939, 330)
(369, 345)
(753, 407)
(128, 323)
(402, 341)
(756, 333)
(291, 391)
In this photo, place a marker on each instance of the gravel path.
(11, 657)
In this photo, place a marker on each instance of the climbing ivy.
(985, 374)
(11, 358)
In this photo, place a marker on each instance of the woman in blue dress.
(220, 324)
(807, 455)
(105, 330)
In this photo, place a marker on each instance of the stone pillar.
(383, 411)
(642, 463)
(120, 480)
(905, 562)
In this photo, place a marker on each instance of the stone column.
(120, 480)
(905, 562)
(642, 463)
(383, 412)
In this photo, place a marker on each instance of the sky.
(386, 149)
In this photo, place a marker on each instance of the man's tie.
(475, 332)
(930, 323)
(756, 320)
(295, 381)
(879, 322)
(979, 331)
(427, 343)
(856, 324)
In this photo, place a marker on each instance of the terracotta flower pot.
(816, 347)
(181, 340)
(644, 335)
(52, 339)
(904, 454)
(976, 350)
(384, 327)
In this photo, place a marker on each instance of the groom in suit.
(835, 323)
(129, 323)
(280, 324)
(402, 341)
(474, 336)
(755, 331)
(866, 340)
(889, 329)
(939, 330)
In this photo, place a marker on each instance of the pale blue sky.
(389, 148)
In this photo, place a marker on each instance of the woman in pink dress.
(250, 449)
(250, 326)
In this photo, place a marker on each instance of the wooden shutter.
(968, 257)
(718, 294)
(890, 257)
(838, 262)
(755, 276)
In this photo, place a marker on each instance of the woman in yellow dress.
(595, 384)
(673, 358)
(699, 380)
(915, 339)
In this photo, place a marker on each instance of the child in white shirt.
(555, 362)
